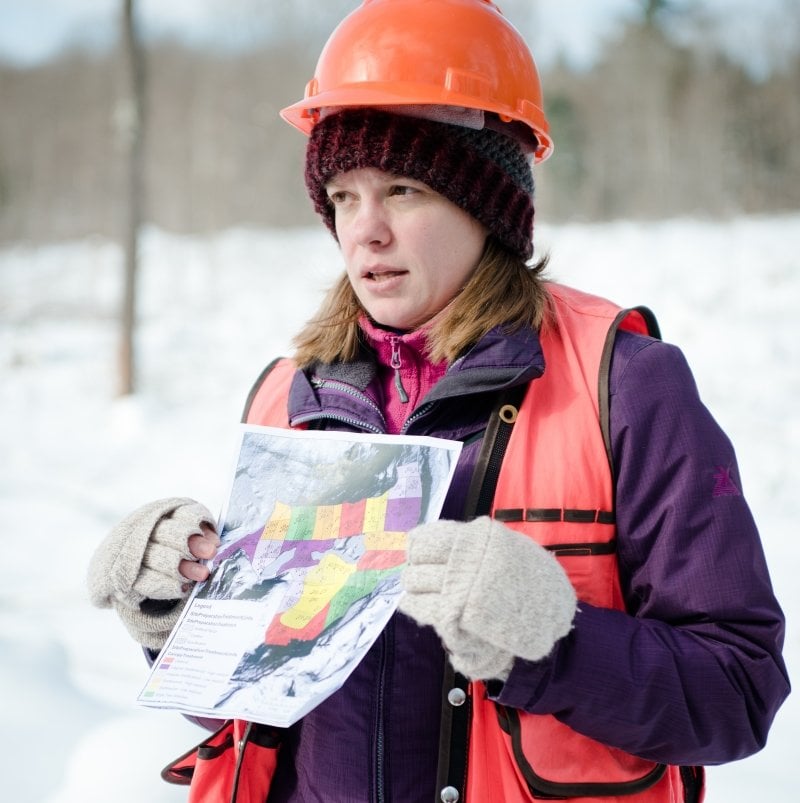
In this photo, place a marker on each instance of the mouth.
(379, 275)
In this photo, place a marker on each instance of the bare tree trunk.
(130, 128)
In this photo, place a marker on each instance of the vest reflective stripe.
(556, 487)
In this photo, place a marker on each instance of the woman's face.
(407, 249)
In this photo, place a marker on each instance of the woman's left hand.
(492, 594)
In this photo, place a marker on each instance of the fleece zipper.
(397, 364)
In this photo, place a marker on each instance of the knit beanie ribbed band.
(482, 171)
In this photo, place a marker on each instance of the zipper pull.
(395, 363)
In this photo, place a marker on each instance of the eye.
(402, 189)
(337, 197)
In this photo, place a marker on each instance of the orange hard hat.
(461, 53)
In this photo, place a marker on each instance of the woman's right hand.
(146, 566)
(203, 546)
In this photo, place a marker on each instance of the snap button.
(456, 696)
(508, 413)
(449, 794)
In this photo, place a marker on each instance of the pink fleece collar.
(404, 371)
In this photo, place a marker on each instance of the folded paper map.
(307, 576)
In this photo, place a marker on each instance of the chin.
(390, 321)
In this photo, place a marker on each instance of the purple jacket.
(691, 674)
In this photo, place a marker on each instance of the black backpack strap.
(490, 460)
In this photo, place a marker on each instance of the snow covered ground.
(75, 458)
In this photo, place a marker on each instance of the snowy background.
(214, 310)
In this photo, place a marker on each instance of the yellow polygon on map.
(321, 584)
(278, 523)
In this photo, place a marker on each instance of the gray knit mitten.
(491, 594)
(135, 568)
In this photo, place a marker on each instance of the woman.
(592, 617)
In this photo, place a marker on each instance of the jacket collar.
(498, 361)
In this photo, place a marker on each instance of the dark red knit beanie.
(483, 171)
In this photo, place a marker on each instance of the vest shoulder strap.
(266, 401)
(634, 319)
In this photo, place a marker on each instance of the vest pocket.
(207, 767)
(596, 770)
(235, 763)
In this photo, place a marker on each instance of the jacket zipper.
(380, 735)
(353, 422)
(350, 391)
(416, 415)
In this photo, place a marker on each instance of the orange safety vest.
(556, 486)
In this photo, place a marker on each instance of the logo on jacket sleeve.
(723, 483)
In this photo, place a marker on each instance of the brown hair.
(503, 290)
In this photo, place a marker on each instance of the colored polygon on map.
(323, 522)
(339, 554)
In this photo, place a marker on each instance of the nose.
(370, 224)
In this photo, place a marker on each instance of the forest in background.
(656, 128)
